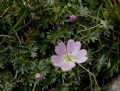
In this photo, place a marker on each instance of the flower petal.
(57, 60)
(81, 56)
(70, 45)
(60, 49)
(67, 66)
(77, 47)
(73, 47)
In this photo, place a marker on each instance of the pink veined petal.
(81, 56)
(73, 47)
(82, 52)
(60, 49)
(70, 45)
(77, 47)
(67, 66)
(81, 59)
(57, 60)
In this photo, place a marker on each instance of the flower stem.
(90, 82)
(90, 74)
(35, 85)
(63, 79)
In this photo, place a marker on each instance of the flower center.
(68, 57)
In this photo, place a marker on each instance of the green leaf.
(101, 62)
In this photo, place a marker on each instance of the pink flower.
(72, 18)
(67, 55)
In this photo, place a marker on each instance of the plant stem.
(90, 74)
(90, 82)
(62, 79)
(5, 36)
(35, 85)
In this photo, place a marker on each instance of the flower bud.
(72, 18)
(38, 76)
(34, 17)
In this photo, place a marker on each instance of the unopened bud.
(72, 18)
(38, 76)
(34, 17)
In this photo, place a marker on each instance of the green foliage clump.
(30, 29)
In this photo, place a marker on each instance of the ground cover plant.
(59, 45)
